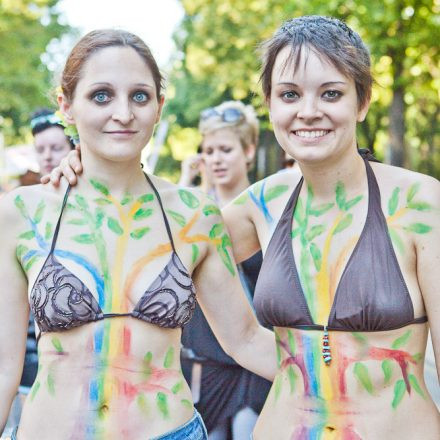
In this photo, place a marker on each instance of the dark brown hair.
(328, 37)
(100, 39)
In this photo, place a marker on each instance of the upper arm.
(428, 263)
(14, 307)
(221, 295)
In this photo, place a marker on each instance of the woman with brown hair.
(111, 267)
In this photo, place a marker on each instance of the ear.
(65, 108)
(250, 153)
(362, 112)
(161, 103)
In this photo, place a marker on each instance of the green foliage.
(362, 374)
(139, 233)
(142, 213)
(195, 253)
(100, 187)
(401, 340)
(178, 218)
(169, 358)
(114, 226)
(26, 29)
(162, 404)
(393, 202)
(387, 368)
(399, 392)
(275, 192)
(211, 209)
(189, 198)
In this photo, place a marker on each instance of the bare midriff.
(119, 378)
(372, 388)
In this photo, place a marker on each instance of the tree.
(26, 29)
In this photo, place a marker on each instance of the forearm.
(256, 352)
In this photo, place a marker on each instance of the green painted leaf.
(314, 232)
(148, 357)
(57, 345)
(278, 348)
(344, 223)
(362, 374)
(144, 198)
(387, 368)
(316, 255)
(359, 337)
(412, 191)
(394, 201)
(321, 209)
(169, 358)
(139, 233)
(211, 209)
(415, 384)
(114, 226)
(84, 238)
(102, 202)
(340, 195)
(20, 251)
(241, 199)
(35, 388)
(195, 253)
(100, 187)
(417, 357)
(178, 387)
(418, 228)
(277, 385)
(275, 192)
(216, 230)
(397, 241)
(39, 212)
(126, 199)
(291, 341)
(352, 202)
(419, 206)
(178, 218)
(292, 377)
(226, 241)
(99, 217)
(189, 198)
(142, 213)
(77, 221)
(256, 188)
(295, 233)
(187, 403)
(30, 262)
(82, 202)
(401, 340)
(399, 392)
(18, 201)
(299, 214)
(224, 255)
(142, 402)
(48, 231)
(50, 384)
(28, 235)
(162, 404)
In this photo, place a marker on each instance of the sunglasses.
(50, 119)
(226, 115)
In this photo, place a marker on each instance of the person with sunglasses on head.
(350, 278)
(112, 269)
(228, 397)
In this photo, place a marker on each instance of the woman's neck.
(323, 177)
(227, 193)
(118, 177)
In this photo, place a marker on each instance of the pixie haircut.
(328, 37)
(245, 127)
(101, 39)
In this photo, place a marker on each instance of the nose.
(216, 156)
(122, 112)
(309, 109)
(47, 153)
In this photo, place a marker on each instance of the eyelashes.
(102, 97)
(328, 95)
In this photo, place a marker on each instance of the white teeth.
(311, 134)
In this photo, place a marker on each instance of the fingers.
(45, 179)
(55, 176)
(74, 161)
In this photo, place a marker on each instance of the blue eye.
(332, 94)
(101, 97)
(289, 96)
(140, 97)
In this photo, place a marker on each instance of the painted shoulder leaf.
(144, 198)
(195, 253)
(344, 223)
(114, 226)
(82, 202)
(101, 201)
(139, 233)
(241, 200)
(419, 206)
(178, 218)
(210, 210)
(401, 340)
(320, 209)
(292, 378)
(412, 191)
(216, 230)
(275, 192)
(256, 188)
(224, 255)
(397, 241)
(316, 255)
(18, 201)
(189, 198)
(48, 231)
(39, 212)
(418, 228)
(77, 221)
(84, 238)
(100, 187)
(394, 201)
(314, 232)
(340, 195)
(277, 385)
(126, 199)
(142, 213)
(352, 202)
(299, 215)
(28, 235)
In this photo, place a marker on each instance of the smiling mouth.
(310, 134)
(121, 132)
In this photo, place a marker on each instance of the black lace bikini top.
(60, 300)
(371, 295)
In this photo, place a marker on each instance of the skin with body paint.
(374, 383)
(119, 377)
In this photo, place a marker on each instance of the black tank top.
(371, 295)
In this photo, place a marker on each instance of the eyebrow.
(329, 83)
(110, 85)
